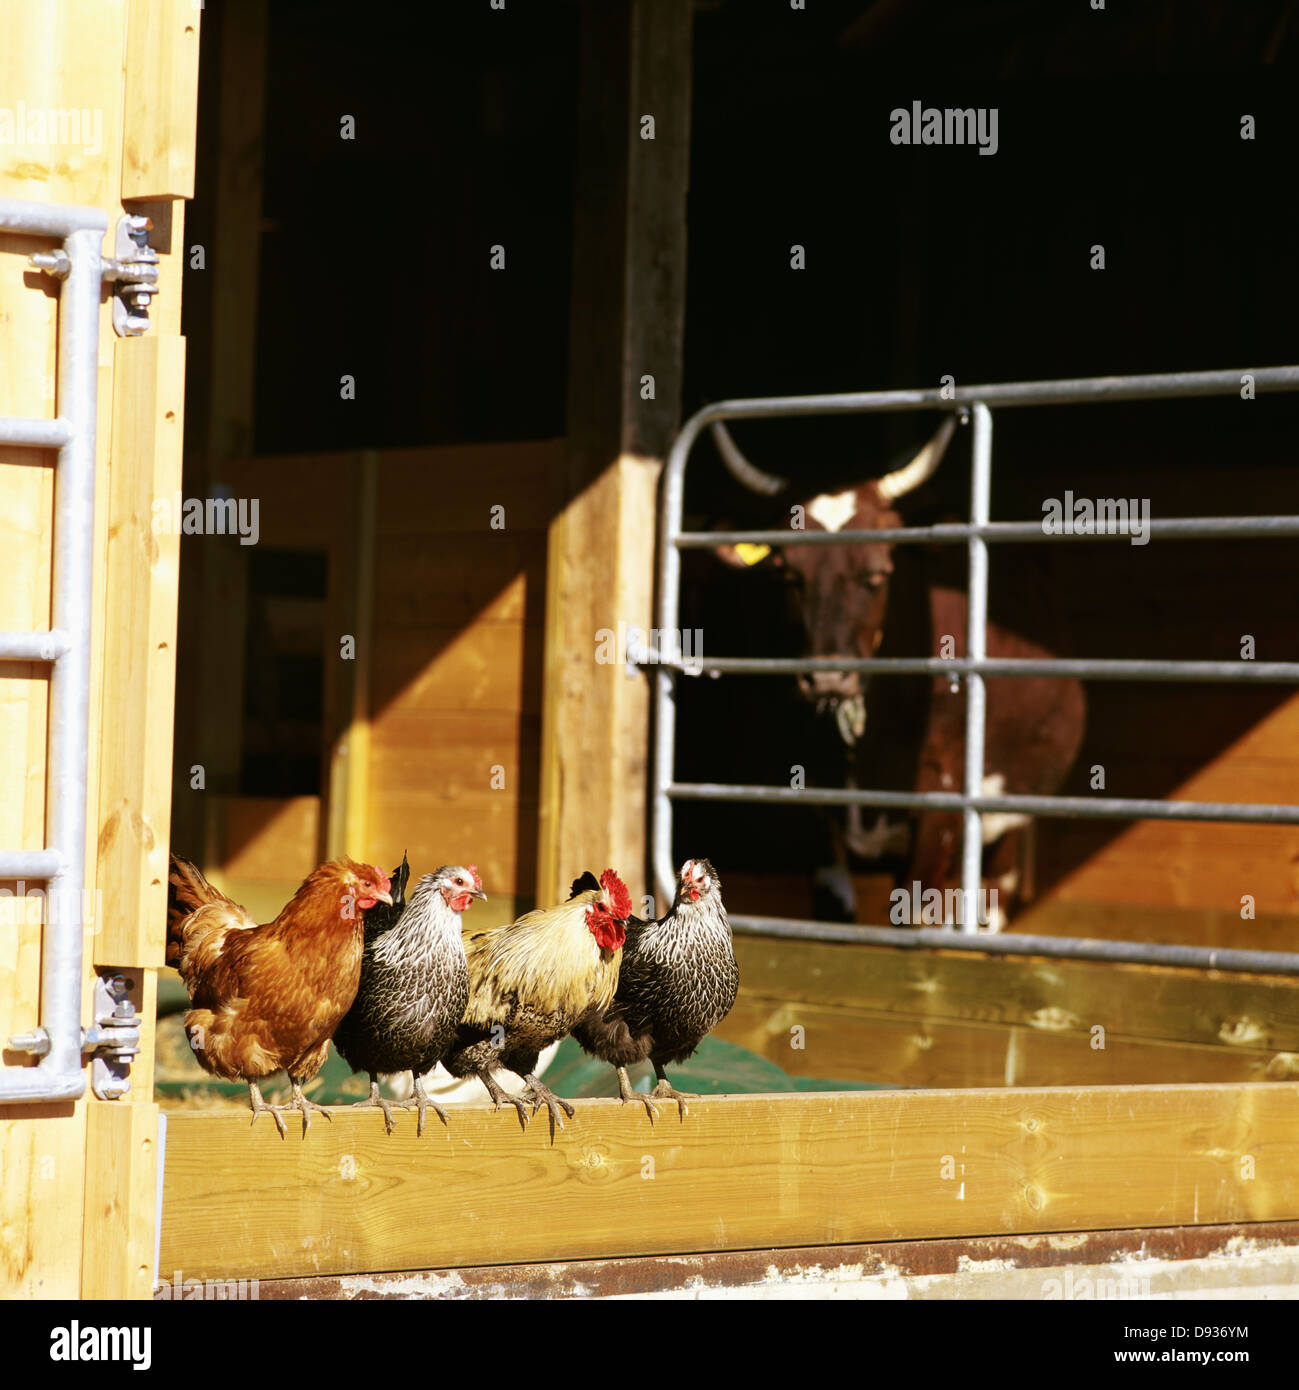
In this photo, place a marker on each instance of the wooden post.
(344, 819)
(627, 327)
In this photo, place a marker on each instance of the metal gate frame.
(663, 656)
(66, 646)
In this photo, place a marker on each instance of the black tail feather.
(586, 884)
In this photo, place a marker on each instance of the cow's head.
(841, 591)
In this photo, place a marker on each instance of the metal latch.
(133, 271)
(114, 1038)
(135, 274)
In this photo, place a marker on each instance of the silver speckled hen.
(414, 985)
(678, 981)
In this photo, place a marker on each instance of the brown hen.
(268, 998)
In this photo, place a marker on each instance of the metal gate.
(664, 659)
(57, 1041)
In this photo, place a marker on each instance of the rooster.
(414, 984)
(531, 981)
(269, 997)
(678, 981)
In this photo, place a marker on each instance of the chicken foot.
(423, 1104)
(665, 1090)
(500, 1097)
(259, 1107)
(538, 1095)
(300, 1102)
(377, 1102)
(629, 1093)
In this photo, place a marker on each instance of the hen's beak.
(478, 893)
(383, 898)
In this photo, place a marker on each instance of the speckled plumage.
(414, 986)
(678, 981)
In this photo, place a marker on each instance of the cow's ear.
(745, 556)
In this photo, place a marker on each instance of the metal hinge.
(133, 272)
(113, 1039)
(135, 275)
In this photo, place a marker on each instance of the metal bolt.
(136, 325)
(37, 1042)
(56, 263)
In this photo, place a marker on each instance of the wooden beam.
(1049, 996)
(627, 321)
(347, 682)
(161, 118)
(139, 650)
(1258, 1260)
(740, 1172)
(121, 1201)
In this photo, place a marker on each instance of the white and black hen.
(414, 984)
(678, 981)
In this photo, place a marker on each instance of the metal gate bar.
(669, 662)
(66, 647)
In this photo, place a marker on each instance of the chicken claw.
(665, 1090)
(423, 1104)
(538, 1095)
(500, 1097)
(377, 1102)
(300, 1102)
(629, 1093)
(259, 1107)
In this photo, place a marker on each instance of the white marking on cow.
(882, 838)
(837, 880)
(998, 823)
(833, 510)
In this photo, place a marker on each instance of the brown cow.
(869, 599)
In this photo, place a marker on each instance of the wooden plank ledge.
(741, 1172)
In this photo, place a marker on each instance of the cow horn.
(741, 469)
(921, 468)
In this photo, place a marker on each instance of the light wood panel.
(121, 1201)
(850, 1044)
(935, 1018)
(140, 651)
(1131, 1000)
(161, 99)
(740, 1172)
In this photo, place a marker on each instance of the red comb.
(619, 897)
(473, 873)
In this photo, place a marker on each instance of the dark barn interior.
(1120, 127)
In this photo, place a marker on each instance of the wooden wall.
(455, 718)
(432, 742)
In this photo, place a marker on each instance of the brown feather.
(267, 997)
